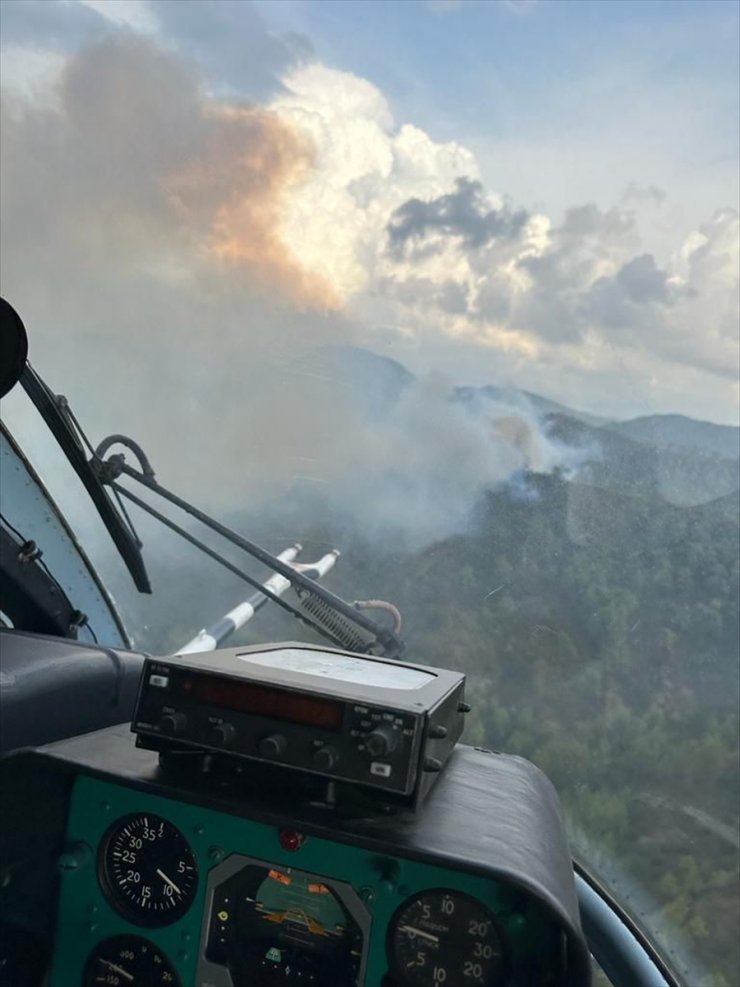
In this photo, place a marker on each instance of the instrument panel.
(164, 892)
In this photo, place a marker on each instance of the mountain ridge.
(668, 430)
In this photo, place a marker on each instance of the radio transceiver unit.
(385, 725)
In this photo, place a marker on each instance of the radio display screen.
(278, 704)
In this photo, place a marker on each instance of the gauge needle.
(169, 881)
(412, 931)
(116, 969)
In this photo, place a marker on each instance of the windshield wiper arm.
(329, 614)
(55, 413)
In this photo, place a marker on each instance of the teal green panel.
(383, 882)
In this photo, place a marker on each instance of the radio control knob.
(381, 742)
(173, 724)
(223, 734)
(325, 758)
(272, 746)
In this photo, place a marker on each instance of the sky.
(542, 195)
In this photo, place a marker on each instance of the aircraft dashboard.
(125, 877)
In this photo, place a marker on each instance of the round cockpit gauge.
(128, 961)
(445, 937)
(147, 869)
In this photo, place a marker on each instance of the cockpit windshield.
(450, 287)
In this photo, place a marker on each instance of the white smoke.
(145, 244)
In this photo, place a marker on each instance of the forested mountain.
(680, 432)
(680, 476)
(595, 612)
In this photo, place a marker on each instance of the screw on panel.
(29, 551)
(216, 854)
(73, 857)
(367, 896)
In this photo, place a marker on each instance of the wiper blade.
(55, 414)
(344, 623)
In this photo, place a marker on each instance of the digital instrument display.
(279, 704)
(147, 869)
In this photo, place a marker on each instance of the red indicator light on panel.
(291, 840)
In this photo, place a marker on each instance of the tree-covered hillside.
(596, 617)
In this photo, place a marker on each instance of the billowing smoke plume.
(141, 245)
(144, 244)
(418, 471)
(135, 168)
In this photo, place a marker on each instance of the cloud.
(463, 213)
(134, 14)
(228, 40)
(638, 282)
(63, 25)
(636, 194)
(525, 280)
(414, 242)
(230, 44)
(365, 167)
